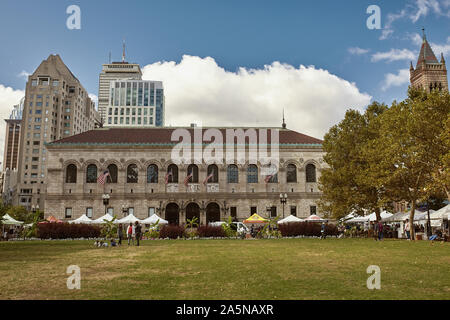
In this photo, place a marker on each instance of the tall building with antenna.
(125, 100)
(111, 72)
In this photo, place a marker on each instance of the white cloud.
(94, 98)
(24, 74)
(358, 51)
(394, 55)
(413, 11)
(395, 80)
(197, 89)
(8, 98)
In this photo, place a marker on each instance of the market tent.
(153, 219)
(8, 220)
(399, 216)
(442, 213)
(256, 219)
(358, 219)
(315, 218)
(128, 219)
(83, 219)
(102, 219)
(290, 218)
(51, 219)
(383, 215)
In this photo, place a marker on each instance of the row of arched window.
(172, 175)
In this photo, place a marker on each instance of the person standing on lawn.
(130, 233)
(375, 231)
(120, 234)
(323, 234)
(138, 232)
(380, 230)
(408, 229)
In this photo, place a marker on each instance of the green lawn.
(227, 269)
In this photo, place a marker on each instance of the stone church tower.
(429, 73)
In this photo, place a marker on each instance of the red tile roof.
(162, 136)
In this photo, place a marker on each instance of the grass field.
(227, 269)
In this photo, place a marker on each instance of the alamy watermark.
(74, 20)
(374, 20)
(374, 281)
(74, 280)
(237, 147)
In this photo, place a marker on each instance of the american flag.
(186, 180)
(167, 176)
(267, 179)
(102, 178)
(207, 178)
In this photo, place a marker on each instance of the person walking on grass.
(138, 232)
(380, 230)
(120, 234)
(323, 234)
(375, 231)
(130, 231)
(408, 229)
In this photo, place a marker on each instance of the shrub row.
(308, 229)
(210, 231)
(172, 232)
(67, 231)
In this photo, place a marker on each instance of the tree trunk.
(411, 221)
(377, 213)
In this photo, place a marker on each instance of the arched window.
(232, 174)
(310, 173)
(152, 173)
(252, 174)
(132, 173)
(91, 173)
(213, 171)
(71, 173)
(113, 173)
(291, 173)
(193, 169)
(172, 172)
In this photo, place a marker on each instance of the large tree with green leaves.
(406, 161)
(344, 184)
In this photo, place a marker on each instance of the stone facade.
(429, 74)
(210, 201)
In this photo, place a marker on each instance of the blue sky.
(330, 35)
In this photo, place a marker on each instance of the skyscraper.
(12, 137)
(429, 73)
(56, 106)
(136, 103)
(111, 72)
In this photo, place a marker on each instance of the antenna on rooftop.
(123, 53)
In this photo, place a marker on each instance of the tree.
(406, 159)
(344, 184)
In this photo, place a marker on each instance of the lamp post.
(428, 221)
(225, 208)
(106, 201)
(283, 200)
(124, 210)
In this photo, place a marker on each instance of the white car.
(239, 226)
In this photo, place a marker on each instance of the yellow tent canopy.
(256, 219)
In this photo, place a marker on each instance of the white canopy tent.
(153, 219)
(442, 213)
(290, 218)
(102, 219)
(371, 217)
(83, 219)
(315, 218)
(8, 220)
(128, 219)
